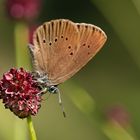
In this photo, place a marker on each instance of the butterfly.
(62, 47)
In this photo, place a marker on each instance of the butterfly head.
(53, 89)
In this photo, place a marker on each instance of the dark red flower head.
(23, 9)
(20, 92)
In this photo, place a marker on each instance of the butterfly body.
(44, 83)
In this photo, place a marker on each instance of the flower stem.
(31, 128)
(21, 32)
(21, 41)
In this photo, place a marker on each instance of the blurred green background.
(102, 100)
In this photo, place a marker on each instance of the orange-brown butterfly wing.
(55, 45)
(62, 48)
(92, 39)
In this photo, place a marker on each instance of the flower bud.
(23, 9)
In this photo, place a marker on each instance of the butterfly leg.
(43, 91)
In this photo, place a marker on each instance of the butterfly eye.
(66, 38)
(53, 89)
(50, 43)
(88, 46)
(62, 36)
(44, 41)
(69, 47)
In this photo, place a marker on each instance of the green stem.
(21, 41)
(31, 128)
(21, 32)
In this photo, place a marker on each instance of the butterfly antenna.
(60, 103)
